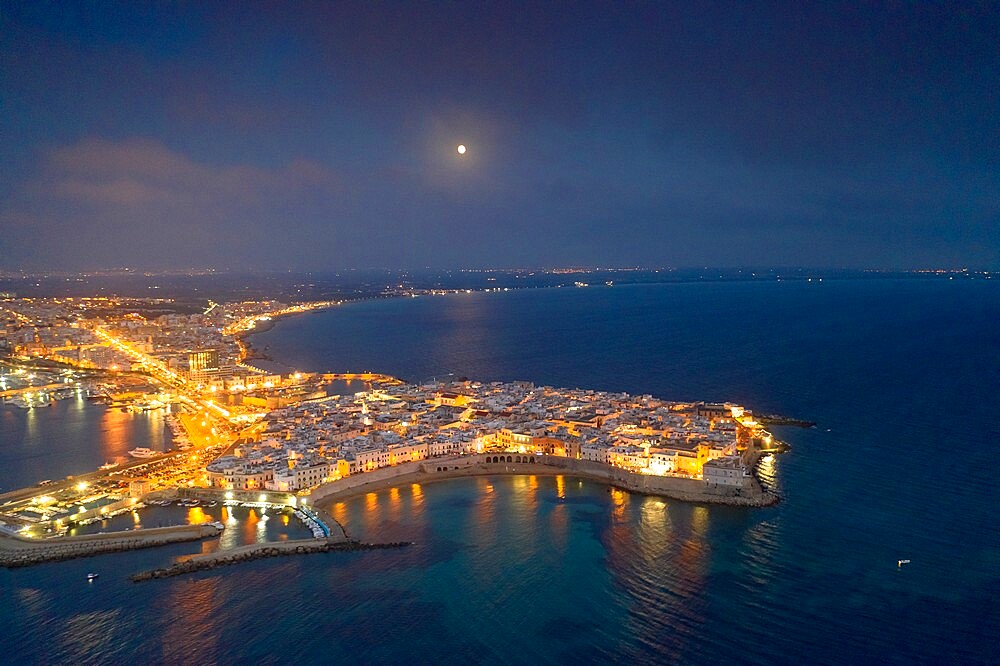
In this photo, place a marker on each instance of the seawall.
(441, 469)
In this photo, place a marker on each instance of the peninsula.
(244, 431)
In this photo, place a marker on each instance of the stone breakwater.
(258, 552)
(18, 552)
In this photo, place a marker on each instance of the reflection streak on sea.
(193, 625)
(658, 555)
(71, 436)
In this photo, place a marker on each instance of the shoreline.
(244, 338)
(687, 490)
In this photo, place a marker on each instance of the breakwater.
(19, 552)
(258, 552)
(778, 420)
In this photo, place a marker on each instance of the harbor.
(224, 525)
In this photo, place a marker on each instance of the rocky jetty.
(258, 552)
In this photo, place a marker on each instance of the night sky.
(311, 137)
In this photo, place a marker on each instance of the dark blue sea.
(902, 378)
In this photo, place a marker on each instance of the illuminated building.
(728, 471)
(203, 365)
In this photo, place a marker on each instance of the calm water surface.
(71, 436)
(901, 376)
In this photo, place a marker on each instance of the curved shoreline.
(749, 492)
(675, 488)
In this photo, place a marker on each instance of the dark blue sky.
(322, 136)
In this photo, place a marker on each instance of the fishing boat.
(92, 576)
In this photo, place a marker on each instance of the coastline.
(684, 489)
(447, 469)
(243, 338)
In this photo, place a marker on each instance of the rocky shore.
(258, 552)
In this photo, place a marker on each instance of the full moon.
(461, 150)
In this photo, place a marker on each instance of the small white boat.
(142, 452)
(902, 562)
(92, 576)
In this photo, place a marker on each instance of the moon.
(461, 149)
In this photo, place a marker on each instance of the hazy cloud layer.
(106, 201)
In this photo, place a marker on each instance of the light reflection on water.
(243, 525)
(193, 626)
(91, 633)
(482, 519)
(590, 576)
(395, 505)
(71, 436)
(517, 532)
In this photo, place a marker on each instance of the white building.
(371, 458)
(728, 471)
(595, 451)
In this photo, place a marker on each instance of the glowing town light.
(229, 494)
(81, 486)
(262, 498)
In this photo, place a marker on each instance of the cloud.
(138, 201)
(144, 172)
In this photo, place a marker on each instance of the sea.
(900, 376)
(71, 436)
